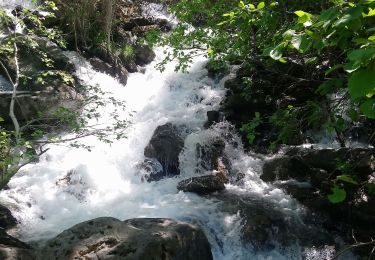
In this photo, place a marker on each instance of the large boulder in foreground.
(10, 247)
(13, 249)
(165, 145)
(133, 239)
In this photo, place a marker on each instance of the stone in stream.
(265, 224)
(210, 152)
(118, 71)
(202, 185)
(144, 55)
(133, 239)
(151, 170)
(212, 118)
(10, 247)
(6, 218)
(165, 146)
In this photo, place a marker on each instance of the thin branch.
(7, 72)
(353, 246)
(33, 159)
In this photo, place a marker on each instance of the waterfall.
(70, 185)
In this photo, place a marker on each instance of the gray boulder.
(13, 249)
(133, 239)
(212, 118)
(165, 145)
(151, 170)
(6, 218)
(202, 185)
(118, 71)
(144, 55)
(210, 152)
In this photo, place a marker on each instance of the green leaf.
(241, 5)
(338, 195)
(277, 52)
(300, 13)
(346, 178)
(370, 13)
(371, 188)
(261, 5)
(303, 16)
(361, 83)
(368, 108)
(300, 43)
(1, 119)
(362, 55)
(329, 14)
(353, 14)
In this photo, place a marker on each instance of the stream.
(106, 181)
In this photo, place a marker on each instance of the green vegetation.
(334, 40)
(306, 66)
(23, 140)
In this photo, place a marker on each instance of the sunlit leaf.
(261, 5)
(346, 178)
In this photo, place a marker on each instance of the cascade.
(106, 181)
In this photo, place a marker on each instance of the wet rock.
(102, 66)
(6, 218)
(131, 66)
(144, 55)
(13, 249)
(202, 185)
(267, 225)
(135, 23)
(211, 157)
(115, 71)
(165, 146)
(142, 30)
(209, 152)
(313, 173)
(152, 170)
(212, 117)
(110, 238)
(315, 165)
(73, 183)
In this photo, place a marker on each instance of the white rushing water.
(107, 182)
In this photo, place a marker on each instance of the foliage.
(333, 38)
(249, 128)
(27, 140)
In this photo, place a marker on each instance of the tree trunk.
(108, 21)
